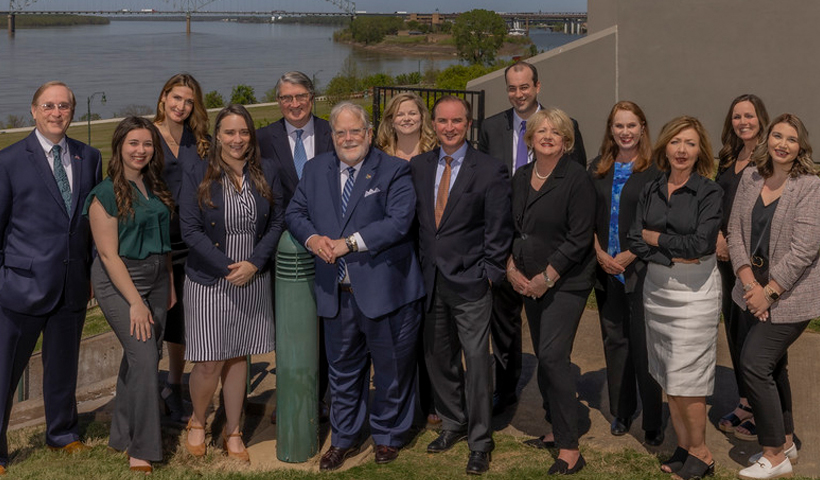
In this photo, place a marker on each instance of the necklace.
(542, 177)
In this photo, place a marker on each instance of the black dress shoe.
(620, 426)
(386, 454)
(560, 467)
(445, 441)
(695, 468)
(502, 401)
(675, 462)
(335, 457)
(478, 463)
(654, 437)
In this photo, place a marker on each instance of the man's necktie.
(443, 189)
(60, 175)
(299, 154)
(521, 156)
(345, 198)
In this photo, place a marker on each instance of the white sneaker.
(790, 452)
(764, 469)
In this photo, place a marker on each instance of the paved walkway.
(527, 420)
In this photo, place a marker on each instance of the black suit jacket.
(471, 244)
(496, 139)
(273, 144)
(554, 225)
(631, 193)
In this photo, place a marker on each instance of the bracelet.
(749, 286)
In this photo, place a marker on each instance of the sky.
(444, 6)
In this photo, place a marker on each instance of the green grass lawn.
(512, 459)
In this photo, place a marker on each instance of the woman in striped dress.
(231, 217)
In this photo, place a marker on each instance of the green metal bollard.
(297, 354)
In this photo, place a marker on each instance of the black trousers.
(766, 373)
(737, 325)
(505, 332)
(553, 320)
(623, 329)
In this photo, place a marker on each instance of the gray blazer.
(793, 246)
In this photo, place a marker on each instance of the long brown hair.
(732, 144)
(609, 149)
(151, 173)
(705, 163)
(803, 164)
(386, 138)
(197, 121)
(217, 167)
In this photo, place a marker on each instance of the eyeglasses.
(300, 98)
(355, 133)
(47, 107)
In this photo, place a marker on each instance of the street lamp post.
(317, 72)
(88, 117)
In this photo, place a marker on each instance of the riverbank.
(433, 45)
(43, 21)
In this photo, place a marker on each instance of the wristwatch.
(547, 280)
(351, 243)
(771, 294)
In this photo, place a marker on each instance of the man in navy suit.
(291, 142)
(45, 254)
(465, 232)
(280, 141)
(501, 137)
(353, 209)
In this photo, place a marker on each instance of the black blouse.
(761, 232)
(728, 180)
(688, 221)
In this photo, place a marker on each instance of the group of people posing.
(426, 251)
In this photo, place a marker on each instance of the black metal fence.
(382, 95)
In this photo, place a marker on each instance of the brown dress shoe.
(242, 455)
(73, 447)
(146, 469)
(195, 450)
(335, 458)
(386, 454)
(2, 470)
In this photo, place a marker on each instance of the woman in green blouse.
(130, 215)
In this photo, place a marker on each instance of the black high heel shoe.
(695, 468)
(675, 462)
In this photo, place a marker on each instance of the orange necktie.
(443, 190)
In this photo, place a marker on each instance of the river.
(130, 60)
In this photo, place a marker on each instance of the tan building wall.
(681, 57)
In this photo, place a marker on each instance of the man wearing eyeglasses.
(290, 142)
(45, 253)
(353, 210)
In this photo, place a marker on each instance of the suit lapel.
(553, 180)
(334, 188)
(281, 145)
(507, 141)
(74, 151)
(363, 180)
(322, 139)
(38, 158)
(784, 205)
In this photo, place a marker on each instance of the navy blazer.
(496, 139)
(203, 229)
(381, 209)
(471, 244)
(635, 272)
(274, 144)
(45, 252)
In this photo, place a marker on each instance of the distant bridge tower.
(14, 7)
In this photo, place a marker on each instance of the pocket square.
(371, 191)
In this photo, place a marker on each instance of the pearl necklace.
(542, 177)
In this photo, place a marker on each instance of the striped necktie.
(61, 176)
(351, 172)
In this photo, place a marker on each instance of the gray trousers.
(463, 399)
(135, 421)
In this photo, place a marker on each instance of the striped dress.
(223, 321)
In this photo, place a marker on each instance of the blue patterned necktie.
(521, 156)
(299, 154)
(345, 198)
(60, 175)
